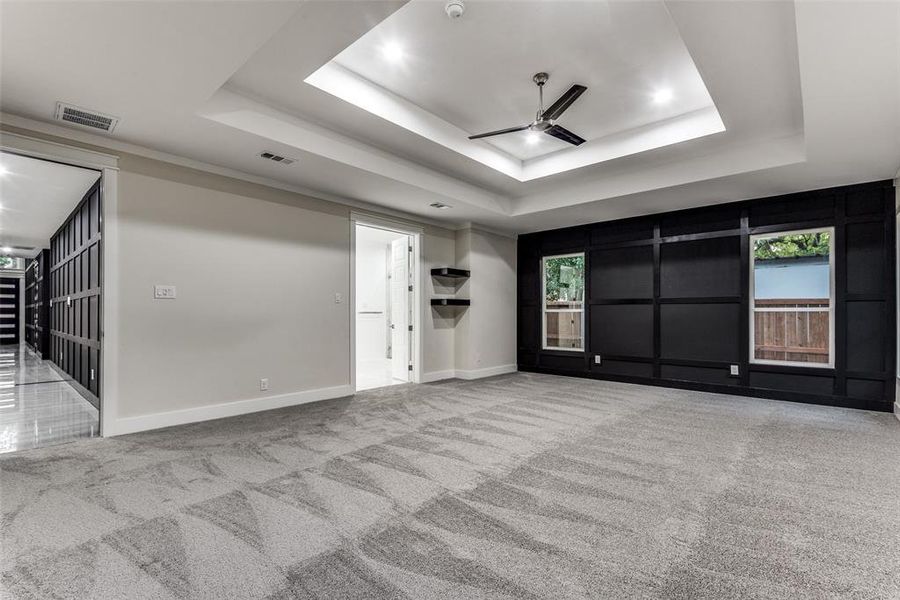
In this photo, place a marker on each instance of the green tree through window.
(564, 278)
(793, 246)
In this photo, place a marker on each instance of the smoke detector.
(455, 8)
(83, 117)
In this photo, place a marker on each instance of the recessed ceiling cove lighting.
(392, 51)
(440, 205)
(662, 96)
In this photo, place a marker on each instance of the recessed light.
(3, 171)
(662, 96)
(532, 138)
(6, 249)
(392, 51)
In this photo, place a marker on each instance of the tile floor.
(37, 406)
(375, 373)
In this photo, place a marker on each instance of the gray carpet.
(520, 486)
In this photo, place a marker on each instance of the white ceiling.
(457, 71)
(809, 95)
(36, 196)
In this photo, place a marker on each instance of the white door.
(400, 320)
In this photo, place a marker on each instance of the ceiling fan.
(546, 119)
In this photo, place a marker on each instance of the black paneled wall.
(75, 285)
(667, 298)
(37, 304)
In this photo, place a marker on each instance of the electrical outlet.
(598, 360)
(264, 384)
(735, 371)
(338, 297)
(164, 292)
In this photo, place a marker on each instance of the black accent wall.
(37, 304)
(667, 298)
(75, 294)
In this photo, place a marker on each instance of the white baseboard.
(470, 374)
(486, 372)
(227, 409)
(438, 375)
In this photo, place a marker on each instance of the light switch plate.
(338, 297)
(164, 292)
(598, 360)
(735, 371)
(264, 384)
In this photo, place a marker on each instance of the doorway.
(384, 301)
(51, 247)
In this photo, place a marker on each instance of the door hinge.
(410, 288)
(409, 248)
(410, 327)
(409, 368)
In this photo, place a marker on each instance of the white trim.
(109, 335)
(416, 232)
(37, 148)
(225, 409)
(545, 310)
(752, 303)
(432, 376)
(486, 372)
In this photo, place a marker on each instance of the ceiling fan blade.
(499, 132)
(564, 102)
(565, 135)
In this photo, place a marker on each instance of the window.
(792, 298)
(563, 285)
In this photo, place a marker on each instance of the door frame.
(108, 166)
(416, 233)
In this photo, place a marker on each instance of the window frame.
(544, 309)
(831, 300)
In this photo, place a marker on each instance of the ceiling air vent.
(440, 205)
(83, 117)
(276, 158)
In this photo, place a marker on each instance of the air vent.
(440, 205)
(276, 158)
(83, 117)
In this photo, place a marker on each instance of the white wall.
(486, 332)
(257, 269)
(256, 282)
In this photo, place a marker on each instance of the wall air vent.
(82, 117)
(276, 158)
(440, 205)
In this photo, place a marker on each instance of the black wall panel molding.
(37, 304)
(668, 298)
(75, 296)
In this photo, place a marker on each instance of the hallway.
(37, 405)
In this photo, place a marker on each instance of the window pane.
(792, 298)
(563, 302)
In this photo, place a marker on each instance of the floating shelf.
(449, 272)
(450, 302)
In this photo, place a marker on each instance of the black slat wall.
(37, 304)
(667, 298)
(10, 310)
(75, 299)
